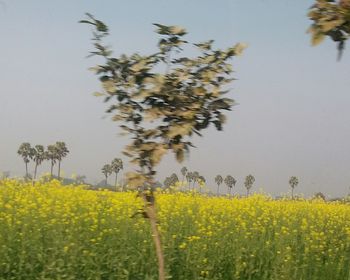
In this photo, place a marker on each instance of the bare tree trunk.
(151, 213)
(292, 193)
(106, 180)
(35, 170)
(115, 183)
(247, 192)
(217, 191)
(230, 190)
(59, 169)
(26, 170)
(51, 169)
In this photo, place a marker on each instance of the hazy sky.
(293, 115)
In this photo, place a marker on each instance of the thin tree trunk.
(230, 190)
(26, 170)
(116, 178)
(247, 192)
(151, 213)
(292, 193)
(59, 169)
(51, 169)
(106, 180)
(35, 170)
(217, 191)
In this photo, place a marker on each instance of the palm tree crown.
(107, 170)
(293, 182)
(248, 183)
(26, 152)
(218, 181)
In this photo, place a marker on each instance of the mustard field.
(50, 231)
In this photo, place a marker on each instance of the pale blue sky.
(292, 117)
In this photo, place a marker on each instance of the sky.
(292, 116)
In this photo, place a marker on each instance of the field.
(50, 231)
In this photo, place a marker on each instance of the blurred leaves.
(330, 18)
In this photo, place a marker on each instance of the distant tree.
(230, 183)
(117, 165)
(189, 178)
(330, 18)
(183, 172)
(26, 152)
(218, 181)
(248, 183)
(80, 179)
(195, 176)
(52, 156)
(201, 181)
(171, 181)
(61, 151)
(319, 195)
(39, 156)
(161, 111)
(167, 182)
(107, 170)
(293, 182)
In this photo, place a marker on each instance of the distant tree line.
(54, 153)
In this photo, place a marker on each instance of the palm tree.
(248, 183)
(195, 176)
(107, 170)
(117, 165)
(183, 172)
(230, 182)
(51, 155)
(293, 182)
(201, 181)
(39, 155)
(62, 151)
(218, 181)
(26, 152)
(189, 178)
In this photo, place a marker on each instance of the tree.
(293, 182)
(39, 155)
(80, 179)
(183, 172)
(107, 170)
(117, 165)
(161, 110)
(330, 18)
(248, 183)
(171, 181)
(230, 182)
(201, 181)
(189, 178)
(26, 152)
(61, 152)
(51, 155)
(195, 176)
(218, 181)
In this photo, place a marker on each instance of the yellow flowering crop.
(50, 231)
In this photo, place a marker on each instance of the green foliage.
(248, 183)
(230, 182)
(330, 18)
(293, 182)
(162, 110)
